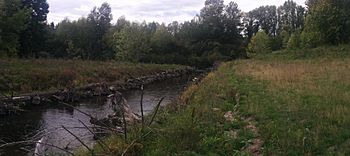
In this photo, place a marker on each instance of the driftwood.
(120, 107)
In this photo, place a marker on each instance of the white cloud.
(149, 10)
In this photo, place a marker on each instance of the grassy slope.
(195, 125)
(42, 75)
(300, 100)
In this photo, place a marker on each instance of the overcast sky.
(149, 10)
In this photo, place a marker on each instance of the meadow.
(301, 106)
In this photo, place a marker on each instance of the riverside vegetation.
(27, 76)
(299, 105)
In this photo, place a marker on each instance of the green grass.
(300, 104)
(195, 125)
(322, 52)
(42, 75)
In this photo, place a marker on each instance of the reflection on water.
(49, 121)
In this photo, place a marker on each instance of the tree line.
(218, 32)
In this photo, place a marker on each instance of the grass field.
(26, 76)
(298, 102)
(302, 106)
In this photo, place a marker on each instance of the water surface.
(45, 122)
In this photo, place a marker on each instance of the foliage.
(33, 39)
(162, 41)
(294, 41)
(13, 21)
(219, 32)
(260, 43)
(285, 38)
(274, 20)
(87, 38)
(132, 43)
(291, 16)
(311, 39)
(329, 20)
(266, 17)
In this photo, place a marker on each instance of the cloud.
(139, 10)
(248, 5)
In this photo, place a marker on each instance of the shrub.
(260, 43)
(294, 41)
(311, 39)
(285, 38)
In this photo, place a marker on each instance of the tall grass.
(302, 105)
(42, 75)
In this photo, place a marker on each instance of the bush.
(285, 38)
(260, 43)
(294, 41)
(311, 39)
(276, 43)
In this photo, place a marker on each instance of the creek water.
(45, 123)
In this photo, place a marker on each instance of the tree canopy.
(221, 31)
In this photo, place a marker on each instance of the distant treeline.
(218, 32)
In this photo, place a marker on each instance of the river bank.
(100, 79)
(285, 103)
(44, 122)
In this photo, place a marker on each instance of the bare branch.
(76, 137)
(99, 141)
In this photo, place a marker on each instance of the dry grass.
(42, 75)
(296, 74)
(303, 104)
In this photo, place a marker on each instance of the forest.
(219, 32)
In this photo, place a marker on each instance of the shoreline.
(74, 94)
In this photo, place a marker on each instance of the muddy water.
(44, 124)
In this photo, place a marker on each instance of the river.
(45, 122)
